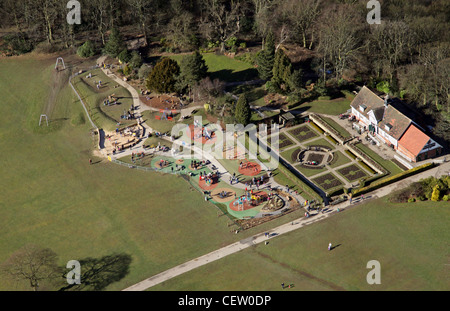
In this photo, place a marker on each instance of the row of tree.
(407, 55)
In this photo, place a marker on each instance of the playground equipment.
(62, 61)
(40, 119)
(166, 114)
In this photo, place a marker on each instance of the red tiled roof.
(413, 140)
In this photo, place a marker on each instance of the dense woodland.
(407, 55)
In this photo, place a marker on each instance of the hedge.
(392, 179)
(303, 186)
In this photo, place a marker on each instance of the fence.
(84, 106)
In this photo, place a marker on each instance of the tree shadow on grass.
(97, 274)
(228, 75)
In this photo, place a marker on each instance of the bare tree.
(33, 264)
(304, 15)
(221, 20)
(262, 16)
(391, 40)
(340, 39)
(141, 10)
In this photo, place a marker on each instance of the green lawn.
(329, 106)
(51, 196)
(321, 142)
(106, 117)
(339, 159)
(226, 68)
(412, 255)
(308, 172)
(388, 165)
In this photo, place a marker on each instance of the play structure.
(201, 133)
(249, 200)
(42, 116)
(60, 59)
(161, 101)
(166, 114)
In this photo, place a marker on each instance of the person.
(90, 161)
(329, 246)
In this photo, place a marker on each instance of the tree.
(115, 44)
(282, 70)
(87, 49)
(141, 10)
(99, 12)
(266, 58)
(340, 40)
(221, 21)
(207, 89)
(262, 15)
(163, 77)
(135, 61)
(242, 111)
(193, 68)
(33, 264)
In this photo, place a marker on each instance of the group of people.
(255, 182)
(207, 177)
(137, 156)
(196, 165)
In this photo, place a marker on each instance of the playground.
(122, 138)
(162, 101)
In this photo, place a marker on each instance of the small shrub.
(436, 193)
(86, 50)
(124, 56)
(411, 200)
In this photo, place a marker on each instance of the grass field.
(329, 106)
(51, 196)
(412, 254)
(225, 68)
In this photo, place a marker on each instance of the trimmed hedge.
(303, 186)
(392, 179)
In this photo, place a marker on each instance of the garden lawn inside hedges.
(352, 172)
(302, 133)
(327, 181)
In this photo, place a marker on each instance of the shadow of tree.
(97, 274)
